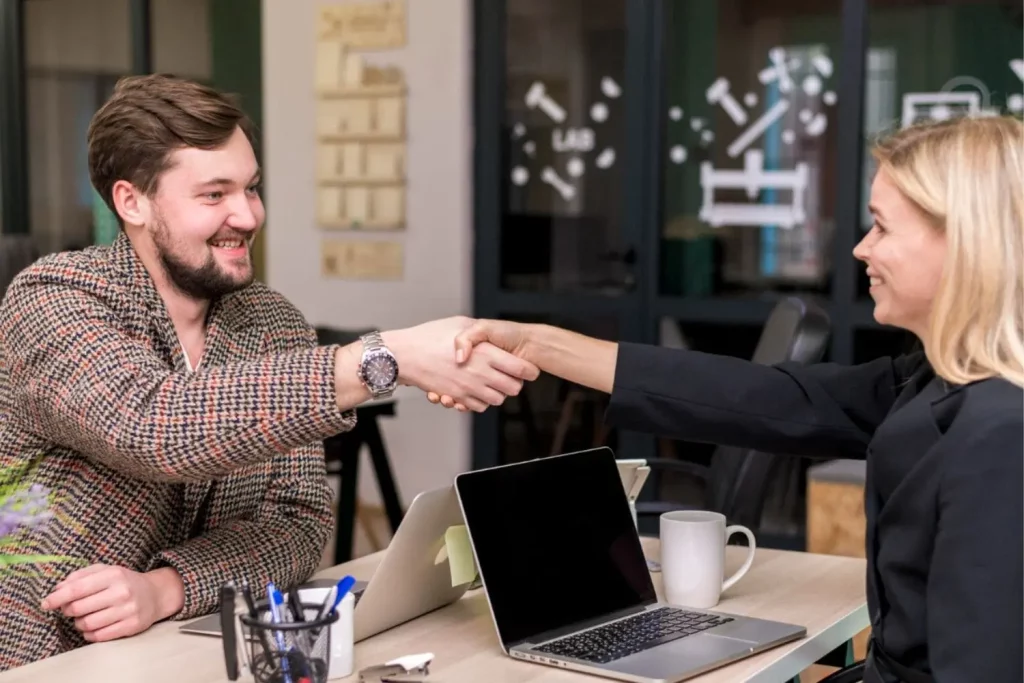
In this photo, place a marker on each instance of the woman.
(942, 430)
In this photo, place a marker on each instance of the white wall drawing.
(520, 176)
(938, 106)
(753, 178)
(949, 102)
(536, 97)
(1015, 102)
(751, 134)
(719, 93)
(549, 176)
(798, 80)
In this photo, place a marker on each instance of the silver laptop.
(412, 579)
(568, 585)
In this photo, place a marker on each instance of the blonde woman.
(941, 430)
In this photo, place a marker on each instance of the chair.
(341, 453)
(737, 480)
(850, 674)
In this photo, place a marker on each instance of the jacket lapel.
(230, 335)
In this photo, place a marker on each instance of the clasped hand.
(427, 359)
(480, 343)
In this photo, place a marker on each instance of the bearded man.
(174, 407)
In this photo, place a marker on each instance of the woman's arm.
(815, 410)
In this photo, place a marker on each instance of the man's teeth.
(876, 281)
(229, 244)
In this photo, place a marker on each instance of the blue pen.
(275, 599)
(341, 590)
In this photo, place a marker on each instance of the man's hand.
(574, 357)
(506, 336)
(109, 602)
(426, 360)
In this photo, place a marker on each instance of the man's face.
(205, 214)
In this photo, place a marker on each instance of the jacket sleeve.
(283, 542)
(814, 410)
(974, 593)
(79, 381)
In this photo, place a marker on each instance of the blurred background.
(660, 171)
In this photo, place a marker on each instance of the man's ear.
(132, 205)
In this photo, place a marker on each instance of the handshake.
(463, 363)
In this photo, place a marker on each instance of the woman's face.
(904, 254)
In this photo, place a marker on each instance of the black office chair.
(737, 480)
(850, 674)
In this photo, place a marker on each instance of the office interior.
(660, 171)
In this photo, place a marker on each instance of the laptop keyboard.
(629, 636)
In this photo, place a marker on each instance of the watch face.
(380, 371)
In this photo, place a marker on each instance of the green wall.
(237, 63)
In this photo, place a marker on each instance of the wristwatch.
(378, 369)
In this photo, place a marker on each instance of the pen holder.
(289, 652)
(341, 656)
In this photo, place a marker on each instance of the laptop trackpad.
(686, 654)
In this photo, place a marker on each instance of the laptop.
(412, 579)
(568, 585)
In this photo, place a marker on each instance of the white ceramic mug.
(342, 657)
(693, 557)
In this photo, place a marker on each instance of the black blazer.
(943, 500)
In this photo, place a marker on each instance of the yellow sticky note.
(460, 555)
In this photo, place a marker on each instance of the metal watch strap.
(372, 341)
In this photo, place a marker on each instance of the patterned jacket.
(217, 473)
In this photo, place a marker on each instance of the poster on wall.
(361, 118)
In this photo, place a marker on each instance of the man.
(174, 406)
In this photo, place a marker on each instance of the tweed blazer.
(218, 473)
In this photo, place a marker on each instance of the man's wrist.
(397, 342)
(169, 590)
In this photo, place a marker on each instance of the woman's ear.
(131, 204)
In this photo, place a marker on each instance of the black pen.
(298, 613)
(227, 628)
(247, 594)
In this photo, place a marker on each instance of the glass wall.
(563, 133)
(750, 142)
(75, 50)
(933, 61)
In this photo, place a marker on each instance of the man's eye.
(214, 196)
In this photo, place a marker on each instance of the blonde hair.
(967, 175)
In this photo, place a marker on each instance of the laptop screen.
(555, 542)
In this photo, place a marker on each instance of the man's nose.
(243, 215)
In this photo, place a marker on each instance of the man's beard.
(207, 282)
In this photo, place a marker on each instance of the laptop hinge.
(561, 632)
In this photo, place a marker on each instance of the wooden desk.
(824, 593)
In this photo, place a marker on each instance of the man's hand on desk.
(115, 602)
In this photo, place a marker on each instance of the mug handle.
(740, 529)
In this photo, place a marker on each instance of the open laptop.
(568, 585)
(410, 580)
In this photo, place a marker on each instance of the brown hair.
(146, 119)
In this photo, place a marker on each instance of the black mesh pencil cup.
(289, 652)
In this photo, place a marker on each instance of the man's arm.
(283, 542)
(974, 591)
(79, 381)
